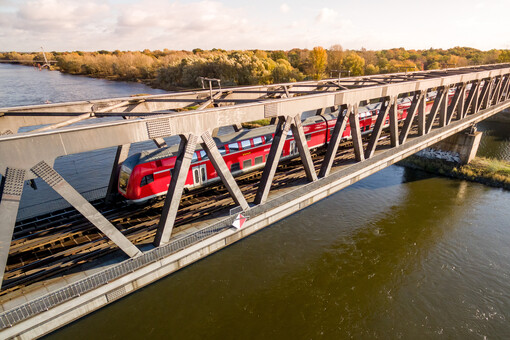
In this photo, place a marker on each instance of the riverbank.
(488, 171)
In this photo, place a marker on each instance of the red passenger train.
(147, 174)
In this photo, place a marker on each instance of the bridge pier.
(464, 143)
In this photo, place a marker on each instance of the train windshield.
(125, 171)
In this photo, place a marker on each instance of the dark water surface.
(400, 254)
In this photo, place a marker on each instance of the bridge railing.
(73, 290)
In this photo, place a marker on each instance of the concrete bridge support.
(464, 143)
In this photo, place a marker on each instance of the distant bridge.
(27, 61)
(461, 98)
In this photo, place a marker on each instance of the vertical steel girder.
(304, 151)
(443, 108)
(273, 158)
(422, 115)
(9, 204)
(334, 141)
(393, 113)
(411, 113)
(379, 124)
(462, 103)
(60, 185)
(177, 181)
(120, 156)
(356, 134)
(223, 171)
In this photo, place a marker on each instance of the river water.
(400, 254)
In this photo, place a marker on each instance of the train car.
(147, 174)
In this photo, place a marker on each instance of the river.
(400, 254)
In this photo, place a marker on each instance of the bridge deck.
(461, 98)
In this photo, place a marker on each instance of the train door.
(199, 175)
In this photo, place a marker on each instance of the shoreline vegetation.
(178, 70)
(487, 171)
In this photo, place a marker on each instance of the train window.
(268, 138)
(245, 144)
(196, 177)
(194, 158)
(233, 147)
(246, 163)
(222, 150)
(202, 172)
(235, 167)
(308, 137)
(147, 179)
(257, 141)
(203, 155)
(259, 160)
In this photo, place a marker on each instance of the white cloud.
(326, 15)
(284, 8)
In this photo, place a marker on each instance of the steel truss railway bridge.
(462, 98)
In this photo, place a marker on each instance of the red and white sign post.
(239, 221)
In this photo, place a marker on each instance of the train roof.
(155, 154)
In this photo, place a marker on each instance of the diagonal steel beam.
(496, 91)
(356, 134)
(336, 136)
(435, 107)
(304, 151)
(453, 105)
(484, 95)
(223, 171)
(411, 113)
(378, 127)
(503, 89)
(273, 158)
(9, 204)
(473, 98)
(177, 181)
(64, 189)
(461, 107)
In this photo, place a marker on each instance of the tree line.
(181, 69)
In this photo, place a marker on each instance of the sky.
(91, 25)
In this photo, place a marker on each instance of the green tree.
(354, 63)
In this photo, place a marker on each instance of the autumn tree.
(319, 60)
(335, 57)
(354, 64)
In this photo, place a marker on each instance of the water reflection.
(369, 262)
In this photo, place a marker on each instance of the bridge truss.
(195, 116)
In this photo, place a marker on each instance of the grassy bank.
(491, 172)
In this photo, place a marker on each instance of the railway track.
(49, 245)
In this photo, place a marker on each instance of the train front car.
(147, 174)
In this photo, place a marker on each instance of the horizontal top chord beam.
(27, 149)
